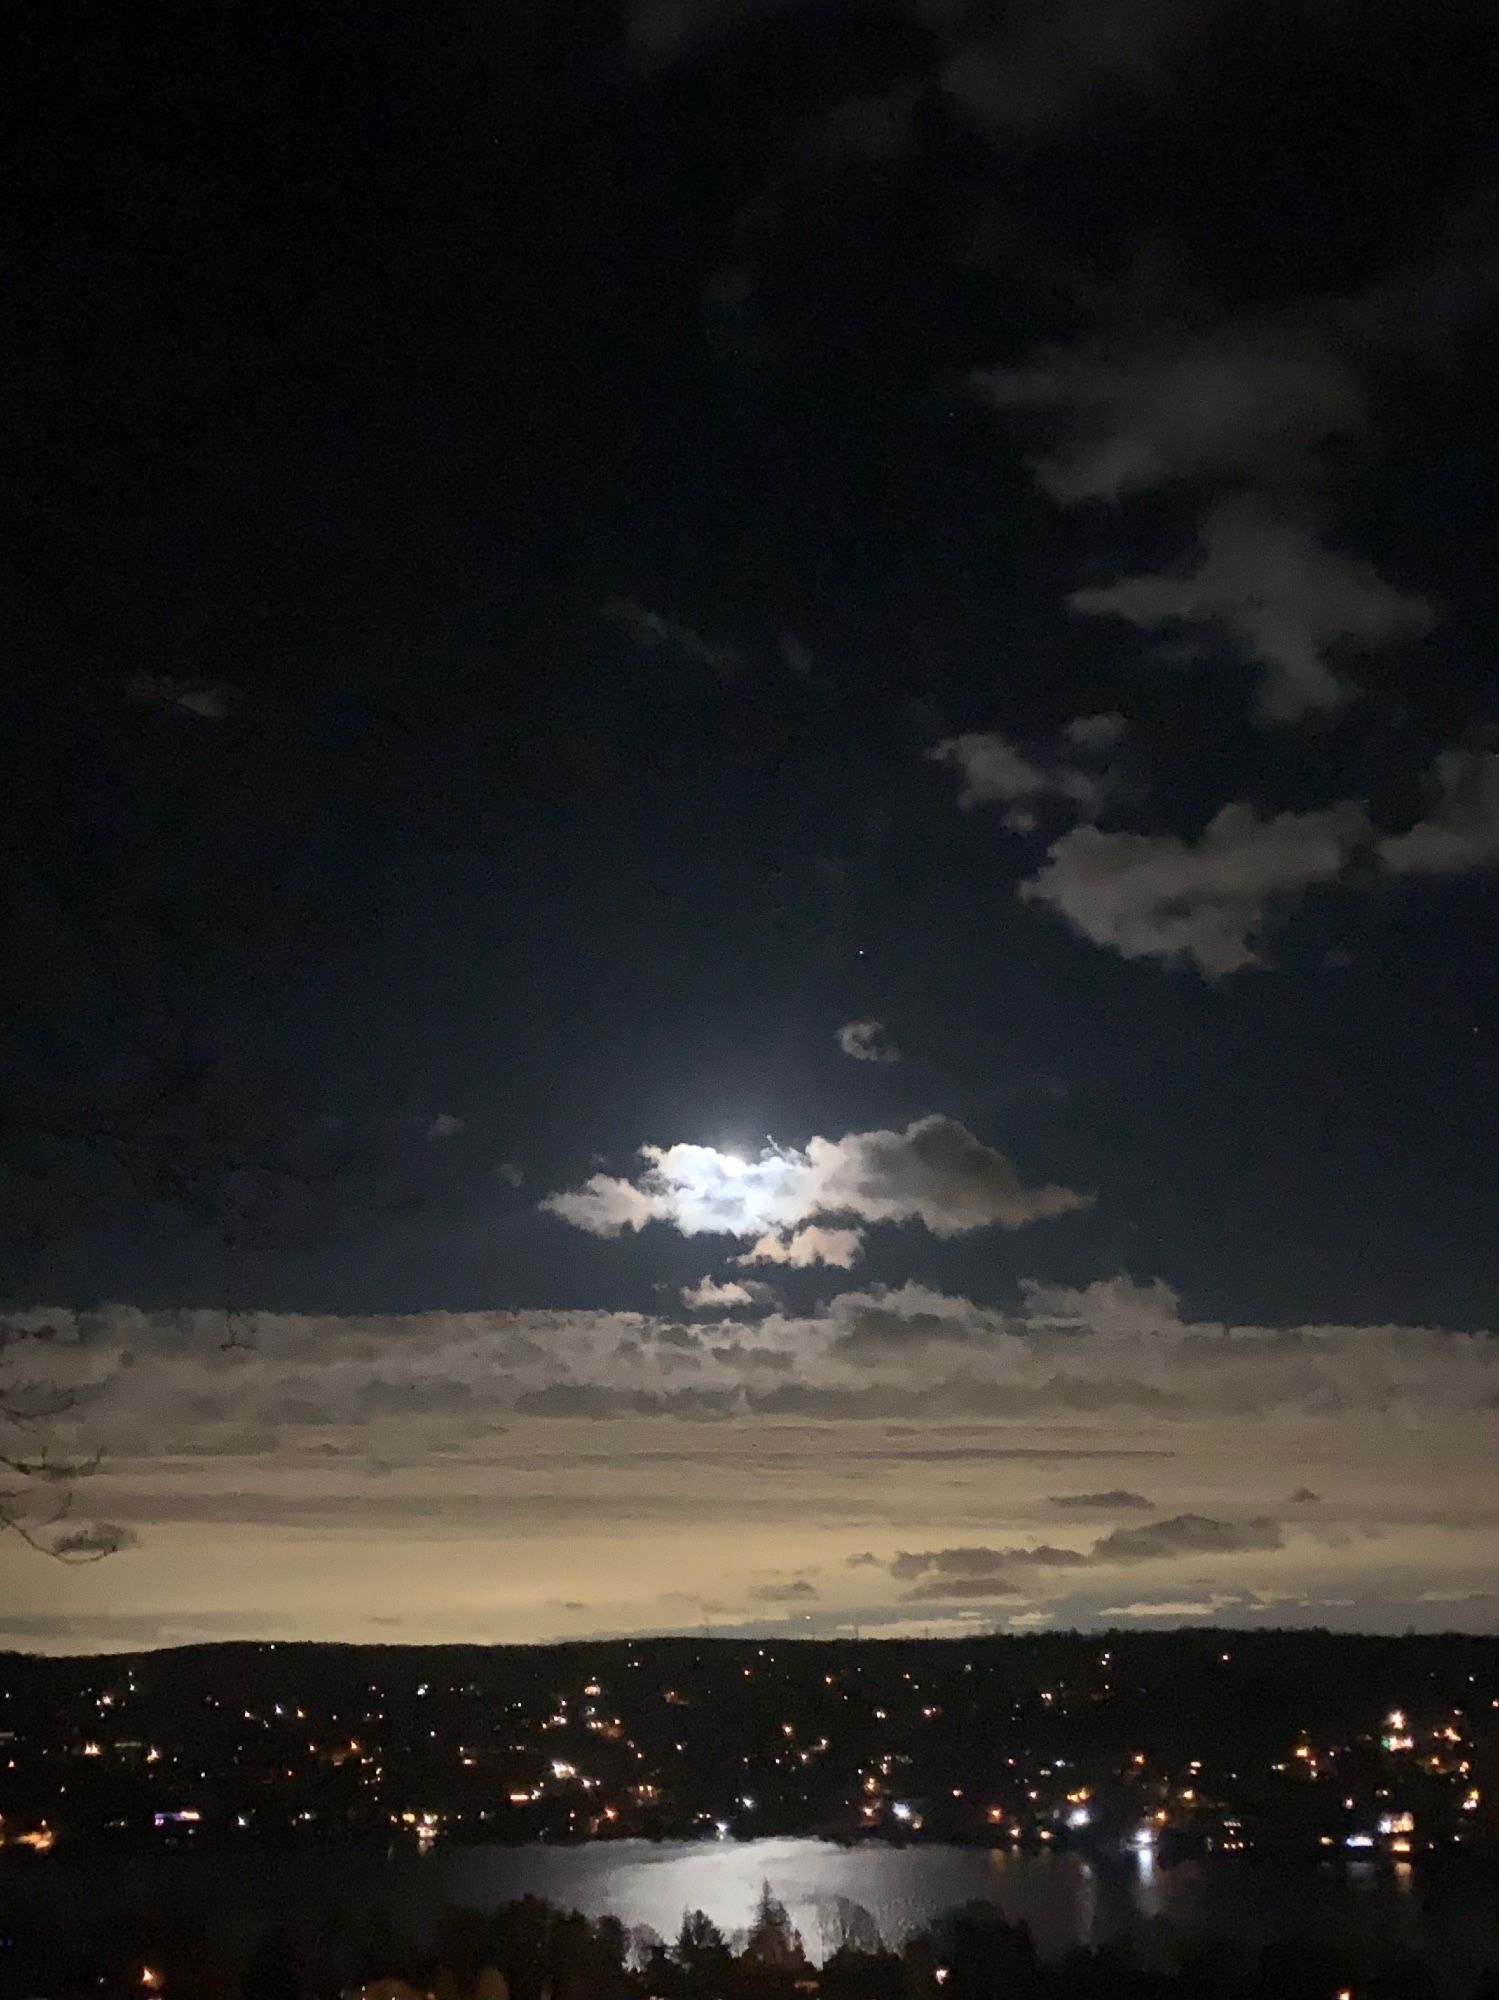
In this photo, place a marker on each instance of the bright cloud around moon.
(934, 1172)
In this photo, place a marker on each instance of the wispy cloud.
(209, 701)
(1462, 834)
(1138, 415)
(1279, 595)
(865, 1042)
(996, 771)
(655, 632)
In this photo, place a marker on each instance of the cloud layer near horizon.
(481, 1473)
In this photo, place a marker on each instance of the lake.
(1446, 1908)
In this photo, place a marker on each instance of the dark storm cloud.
(1117, 1497)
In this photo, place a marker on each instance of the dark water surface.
(1446, 1909)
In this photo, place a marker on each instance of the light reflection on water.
(1064, 1898)
(832, 1892)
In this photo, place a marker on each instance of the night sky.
(751, 818)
